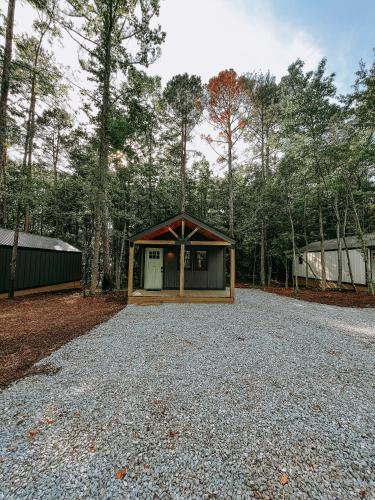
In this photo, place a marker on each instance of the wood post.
(182, 270)
(232, 271)
(130, 270)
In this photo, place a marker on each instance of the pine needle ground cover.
(33, 327)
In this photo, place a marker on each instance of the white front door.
(154, 269)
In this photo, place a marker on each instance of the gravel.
(200, 401)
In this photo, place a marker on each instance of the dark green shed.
(41, 261)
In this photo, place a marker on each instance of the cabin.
(181, 259)
(308, 263)
(43, 264)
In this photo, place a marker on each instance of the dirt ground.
(33, 327)
(346, 298)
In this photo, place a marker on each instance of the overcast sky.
(207, 36)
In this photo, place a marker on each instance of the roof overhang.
(191, 223)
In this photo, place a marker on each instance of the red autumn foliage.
(226, 102)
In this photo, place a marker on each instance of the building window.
(154, 254)
(200, 262)
(300, 260)
(187, 260)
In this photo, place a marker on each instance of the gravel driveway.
(200, 401)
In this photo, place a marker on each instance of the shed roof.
(351, 241)
(27, 240)
(176, 220)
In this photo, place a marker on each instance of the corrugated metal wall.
(39, 267)
(356, 261)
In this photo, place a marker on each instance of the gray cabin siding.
(212, 279)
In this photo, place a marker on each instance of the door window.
(154, 254)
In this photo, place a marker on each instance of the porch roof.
(174, 222)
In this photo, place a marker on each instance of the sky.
(207, 36)
(204, 37)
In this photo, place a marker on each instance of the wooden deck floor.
(141, 296)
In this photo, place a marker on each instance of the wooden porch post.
(232, 271)
(182, 270)
(130, 270)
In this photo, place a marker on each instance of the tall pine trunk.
(263, 252)
(262, 255)
(322, 250)
(30, 130)
(230, 189)
(295, 277)
(183, 165)
(346, 246)
(121, 256)
(13, 264)
(101, 232)
(339, 244)
(365, 251)
(4, 92)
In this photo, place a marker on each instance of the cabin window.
(187, 260)
(200, 262)
(300, 260)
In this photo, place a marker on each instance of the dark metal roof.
(187, 217)
(27, 240)
(351, 241)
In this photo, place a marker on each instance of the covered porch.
(197, 265)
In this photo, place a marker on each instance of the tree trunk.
(269, 271)
(121, 256)
(29, 154)
(286, 273)
(107, 282)
(346, 246)
(254, 264)
(322, 251)
(370, 285)
(262, 255)
(230, 189)
(150, 211)
(95, 251)
(30, 131)
(183, 166)
(13, 264)
(339, 244)
(4, 92)
(306, 242)
(101, 211)
(295, 277)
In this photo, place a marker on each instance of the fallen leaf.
(120, 474)
(34, 432)
(362, 493)
(50, 420)
(146, 466)
(173, 434)
(284, 479)
(92, 449)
